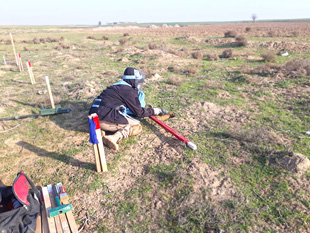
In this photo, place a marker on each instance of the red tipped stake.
(20, 62)
(30, 73)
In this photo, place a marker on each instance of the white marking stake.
(20, 62)
(49, 91)
(12, 41)
(4, 61)
(33, 81)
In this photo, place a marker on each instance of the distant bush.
(104, 38)
(247, 29)
(123, 41)
(91, 38)
(190, 71)
(120, 50)
(175, 69)
(153, 46)
(36, 41)
(227, 53)
(295, 33)
(185, 51)
(174, 80)
(230, 34)
(197, 55)
(241, 41)
(292, 69)
(212, 57)
(271, 34)
(126, 34)
(269, 57)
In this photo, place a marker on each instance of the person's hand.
(157, 111)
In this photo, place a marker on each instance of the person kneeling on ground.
(114, 105)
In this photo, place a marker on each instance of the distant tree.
(254, 17)
(99, 24)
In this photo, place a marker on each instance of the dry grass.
(212, 57)
(123, 41)
(174, 80)
(227, 53)
(152, 46)
(231, 34)
(292, 69)
(197, 55)
(241, 41)
(190, 71)
(269, 57)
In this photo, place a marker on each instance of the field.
(245, 105)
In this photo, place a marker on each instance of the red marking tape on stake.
(29, 64)
(96, 120)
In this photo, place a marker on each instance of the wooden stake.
(98, 148)
(49, 91)
(34, 81)
(12, 41)
(48, 206)
(44, 219)
(30, 72)
(4, 61)
(38, 224)
(53, 204)
(20, 62)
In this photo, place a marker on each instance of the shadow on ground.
(61, 157)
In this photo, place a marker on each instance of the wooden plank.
(44, 222)
(53, 203)
(103, 162)
(47, 202)
(38, 224)
(49, 91)
(102, 159)
(63, 219)
(97, 158)
(69, 215)
(96, 152)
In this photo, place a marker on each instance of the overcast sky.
(90, 12)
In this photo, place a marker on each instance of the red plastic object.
(96, 120)
(21, 189)
(174, 133)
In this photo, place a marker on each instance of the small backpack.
(19, 206)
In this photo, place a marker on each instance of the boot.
(135, 130)
(113, 140)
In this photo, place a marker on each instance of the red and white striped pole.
(33, 81)
(174, 133)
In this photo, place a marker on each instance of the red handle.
(168, 129)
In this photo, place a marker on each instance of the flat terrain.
(245, 105)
